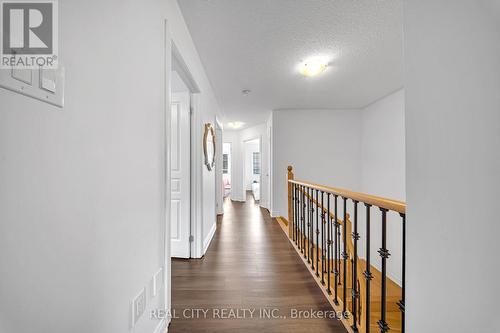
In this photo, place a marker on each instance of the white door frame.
(174, 60)
(167, 269)
(196, 179)
(180, 66)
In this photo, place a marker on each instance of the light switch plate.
(157, 282)
(23, 75)
(46, 85)
(138, 306)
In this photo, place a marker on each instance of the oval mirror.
(209, 146)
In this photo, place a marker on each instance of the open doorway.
(219, 188)
(252, 167)
(226, 168)
(183, 90)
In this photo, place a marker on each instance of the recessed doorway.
(226, 169)
(252, 168)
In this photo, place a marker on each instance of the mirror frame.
(209, 129)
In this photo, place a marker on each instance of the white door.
(180, 207)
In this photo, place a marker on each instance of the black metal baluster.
(306, 226)
(292, 221)
(299, 229)
(367, 273)
(294, 201)
(306, 216)
(332, 237)
(355, 293)
(304, 207)
(384, 254)
(297, 225)
(296, 213)
(317, 233)
(297, 198)
(329, 243)
(311, 227)
(336, 269)
(322, 239)
(310, 231)
(401, 303)
(344, 257)
(339, 251)
(297, 219)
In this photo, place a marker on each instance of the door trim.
(167, 269)
(196, 175)
(196, 179)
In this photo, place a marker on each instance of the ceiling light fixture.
(313, 66)
(236, 124)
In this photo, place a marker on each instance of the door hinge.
(191, 238)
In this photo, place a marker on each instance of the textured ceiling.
(257, 44)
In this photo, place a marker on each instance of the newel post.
(290, 203)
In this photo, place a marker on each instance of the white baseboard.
(162, 327)
(275, 213)
(208, 239)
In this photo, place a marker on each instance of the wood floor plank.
(249, 265)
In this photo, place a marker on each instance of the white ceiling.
(257, 44)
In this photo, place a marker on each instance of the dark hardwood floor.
(250, 265)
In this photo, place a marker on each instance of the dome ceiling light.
(235, 124)
(313, 66)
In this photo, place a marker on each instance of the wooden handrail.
(394, 205)
(377, 304)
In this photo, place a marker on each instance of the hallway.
(250, 265)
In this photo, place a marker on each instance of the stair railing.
(330, 244)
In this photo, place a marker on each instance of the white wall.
(82, 192)
(361, 150)
(383, 174)
(250, 148)
(453, 160)
(268, 155)
(383, 147)
(323, 146)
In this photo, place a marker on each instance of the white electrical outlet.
(138, 306)
(157, 282)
